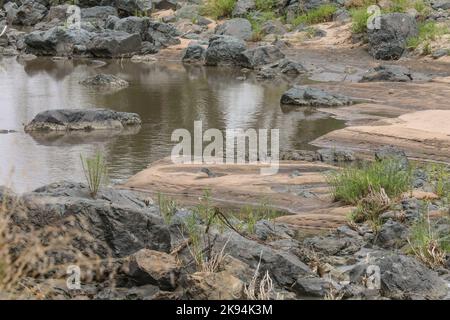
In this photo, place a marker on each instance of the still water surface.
(166, 95)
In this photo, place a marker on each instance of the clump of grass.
(257, 20)
(323, 13)
(426, 245)
(428, 31)
(218, 8)
(250, 215)
(265, 5)
(167, 207)
(95, 172)
(359, 19)
(351, 184)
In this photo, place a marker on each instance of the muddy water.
(167, 96)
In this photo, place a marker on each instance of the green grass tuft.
(428, 31)
(95, 172)
(218, 8)
(323, 13)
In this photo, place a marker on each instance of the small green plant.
(95, 172)
(426, 245)
(323, 13)
(359, 19)
(218, 8)
(167, 207)
(257, 20)
(351, 184)
(428, 31)
(265, 5)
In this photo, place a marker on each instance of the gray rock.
(98, 13)
(440, 4)
(237, 27)
(243, 7)
(267, 73)
(165, 4)
(114, 44)
(389, 42)
(57, 12)
(56, 41)
(117, 220)
(162, 34)
(335, 244)
(388, 73)
(11, 9)
(224, 50)
(307, 96)
(311, 287)
(392, 235)
(394, 154)
(104, 81)
(439, 53)
(194, 53)
(273, 27)
(131, 7)
(82, 119)
(131, 25)
(333, 155)
(30, 13)
(259, 56)
(188, 12)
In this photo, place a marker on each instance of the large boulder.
(194, 53)
(117, 221)
(314, 97)
(260, 56)
(133, 7)
(30, 13)
(243, 7)
(57, 41)
(237, 27)
(162, 34)
(224, 50)
(82, 119)
(131, 25)
(389, 41)
(115, 44)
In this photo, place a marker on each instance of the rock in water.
(82, 119)
(115, 44)
(238, 27)
(104, 81)
(388, 73)
(118, 221)
(389, 41)
(224, 50)
(194, 53)
(307, 96)
(260, 56)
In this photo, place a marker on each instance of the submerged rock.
(104, 81)
(307, 96)
(389, 41)
(82, 119)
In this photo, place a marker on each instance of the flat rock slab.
(314, 97)
(237, 185)
(421, 134)
(82, 119)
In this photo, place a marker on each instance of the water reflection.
(166, 95)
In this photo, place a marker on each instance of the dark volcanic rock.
(194, 53)
(30, 13)
(238, 27)
(388, 73)
(133, 7)
(115, 44)
(389, 42)
(307, 96)
(162, 34)
(117, 220)
(393, 153)
(259, 56)
(243, 7)
(82, 119)
(224, 50)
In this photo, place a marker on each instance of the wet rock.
(153, 267)
(104, 81)
(389, 42)
(30, 13)
(131, 7)
(311, 287)
(114, 44)
(165, 4)
(213, 286)
(259, 56)
(237, 27)
(194, 53)
(117, 221)
(308, 96)
(57, 41)
(393, 154)
(392, 235)
(82, 119)
(388, 73)
(243, 7)
(333, 155)
(224, 50)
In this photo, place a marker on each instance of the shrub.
(351, 184)
(359, 20)
(95, 172)
(428, 31)
(323, 13)
(218, 8)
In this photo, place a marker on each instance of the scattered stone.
(388, 73)
(308, 96)
(440, 4)
(131, 25)
(104, 81)
(148, 58)
(389, 41)
(82, 119)
(153, 267)
(237, 27)
(290, 67)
